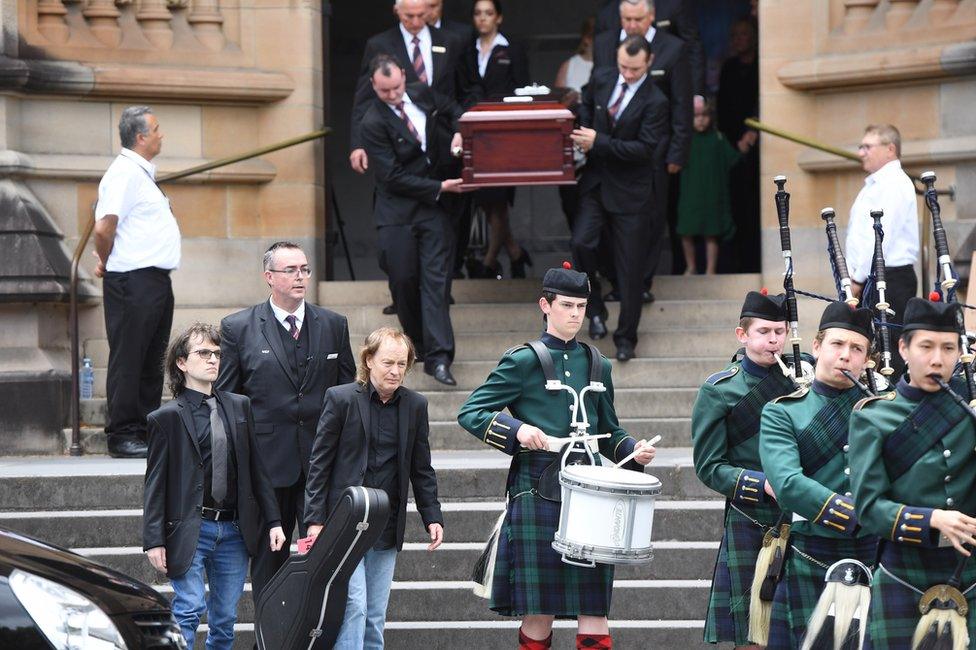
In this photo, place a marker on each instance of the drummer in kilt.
(914, 478)
(803, 443)
(530, 580)
(725, 435)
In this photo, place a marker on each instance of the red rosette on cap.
(567, 266)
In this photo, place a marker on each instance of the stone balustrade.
(894, 18)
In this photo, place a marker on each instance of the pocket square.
(334, 355)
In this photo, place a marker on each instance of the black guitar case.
(302, 607)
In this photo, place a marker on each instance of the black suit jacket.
(174, 481)
(671, 74)
(445, 53)
(406, 176)
(463, 33)
(341, 454)
(507, 69)
(254, 363)
(673, 16)
(621, 162)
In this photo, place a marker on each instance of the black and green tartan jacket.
(804, 447)
(725, 429)
(517, 384)
(901, 472)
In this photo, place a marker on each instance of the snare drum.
(606, 516)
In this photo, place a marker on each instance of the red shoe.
(525, 643)
(594, 641)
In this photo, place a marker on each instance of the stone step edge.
(461, 585)
(655, 624)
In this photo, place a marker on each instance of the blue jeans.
(369, 592)
(222, 554)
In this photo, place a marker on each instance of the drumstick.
(558, 443)
(633, 454)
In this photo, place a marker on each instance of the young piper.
(914, 475)
(804, 450)
(724, 432)
(530, 580)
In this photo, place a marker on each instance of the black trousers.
(417, 257)
(291, 505)
(138, 317)
(628, 239)
(458, 209)
(902, 284)
(656, 234)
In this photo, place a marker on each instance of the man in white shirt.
(137, 242)
(886, 188)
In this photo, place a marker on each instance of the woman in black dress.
(492, 68)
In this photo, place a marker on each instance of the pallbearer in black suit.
(463, 33)
(400, 131)
(284, 353)
(623, 118)
(492, 68)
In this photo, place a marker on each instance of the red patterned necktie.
(292, 326)
(406, 120)
(418, 60)
(616, 105)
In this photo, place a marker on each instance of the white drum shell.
(607, 514)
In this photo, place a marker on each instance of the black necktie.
(218, 453)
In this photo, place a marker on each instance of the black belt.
(215, 514)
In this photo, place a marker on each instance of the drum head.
(611, 477)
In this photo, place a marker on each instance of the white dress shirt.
(630, 92)
(648, 35)
(484, 56)
(425, 50)
(147, 233)
(417, 117)
(891, 190)
(280, 315)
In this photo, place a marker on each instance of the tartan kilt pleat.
(894, 607)
(803, 582)
(530, 577)
(727, 619)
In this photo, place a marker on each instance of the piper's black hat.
(920, 314)
(839, 314)
(566, 282)
(759, 305)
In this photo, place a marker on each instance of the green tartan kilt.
(727, 619)
(530, 577)
(803, 582)
(894, 607)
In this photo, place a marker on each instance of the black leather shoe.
(612, 296)
(127, 448)
(390, 309)
(442, 373)
(518, 266)
(625, 352)
(598, 327)
(647, 297)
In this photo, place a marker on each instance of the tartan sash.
(934, 417)
(743, 420)
(826, 434)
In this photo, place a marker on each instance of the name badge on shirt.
(438, 49)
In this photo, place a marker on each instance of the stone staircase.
(93, 504)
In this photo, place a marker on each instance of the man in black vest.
(284, 353)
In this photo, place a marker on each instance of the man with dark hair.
(623, 119)
(207, 497)
(402, 135)
(913, 475)
(137, 243)
(284, 353)
(463, 33)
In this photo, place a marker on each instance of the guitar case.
(303, 605)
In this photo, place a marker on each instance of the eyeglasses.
(868, 147)
(294, 271)
(206, 354)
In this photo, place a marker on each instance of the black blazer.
(341, 453)
(621, 162)
(174, 481)
(406, 176)
(445, 53)
(671, 74)
(254, 363)
(674, 17)
(463, 33)
(507, 69)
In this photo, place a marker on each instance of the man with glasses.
(886, 188)
(284, 353)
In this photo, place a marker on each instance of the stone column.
(899, 11)
(51, 22)
(942, 10)
(154, 17)
(103, 20)
(206, 20)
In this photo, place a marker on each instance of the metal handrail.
(75, 448)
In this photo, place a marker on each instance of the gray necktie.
(218, 453)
